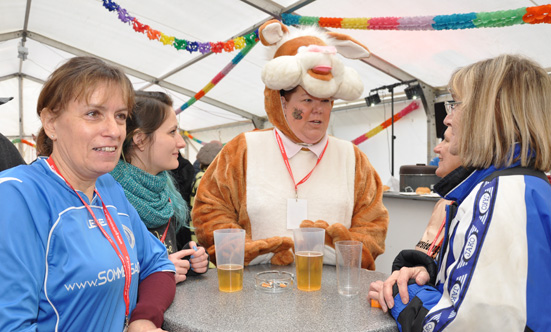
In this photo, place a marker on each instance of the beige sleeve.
(370, 217)
(220, 201)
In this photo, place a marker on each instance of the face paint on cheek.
(297, 114)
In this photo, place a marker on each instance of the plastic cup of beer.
(349, 264)
(229, 245)
(309, 245)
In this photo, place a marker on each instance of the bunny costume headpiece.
(308, 57)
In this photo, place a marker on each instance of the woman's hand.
(181, 265)
(143, 325)
(382, 291)
(199, 259)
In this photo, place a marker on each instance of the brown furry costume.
(221, 200)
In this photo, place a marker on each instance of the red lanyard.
(286, 160)
(122, 253)
(430, 252)
(166, 231)
(167, 226)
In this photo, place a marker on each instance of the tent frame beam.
(255, 119)
(73, 50)
(270, 7)
(274, 9)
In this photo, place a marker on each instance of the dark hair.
(77, 79)
(287, 93)
(149, 113)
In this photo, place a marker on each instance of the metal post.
(391, 90)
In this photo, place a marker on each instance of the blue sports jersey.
(59, 272)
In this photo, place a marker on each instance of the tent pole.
(20, 144)
(391, 90)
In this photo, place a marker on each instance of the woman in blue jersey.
(74, 251)
(151, 148)
(492, 273)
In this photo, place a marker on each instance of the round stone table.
(200, 306)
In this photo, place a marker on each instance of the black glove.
(412, 258)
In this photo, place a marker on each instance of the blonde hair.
(504, 101)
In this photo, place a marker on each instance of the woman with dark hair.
(151, 148)
(74, 252)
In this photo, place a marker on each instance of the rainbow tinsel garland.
(217, 78)
(186, 133)
(405, 111)
(408, 109)
(502, 18)
(181, 44)
(24, 141)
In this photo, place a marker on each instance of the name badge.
(297, 211)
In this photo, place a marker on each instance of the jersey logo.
(130, 236)
(484, 203)
(92, 223)
(470, 246)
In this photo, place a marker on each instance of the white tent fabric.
(53, 31)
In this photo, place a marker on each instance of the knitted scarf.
(146, 192)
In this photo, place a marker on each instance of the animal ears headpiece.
(308, 57)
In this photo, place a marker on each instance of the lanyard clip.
(125, 324)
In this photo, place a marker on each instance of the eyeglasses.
(451, 106)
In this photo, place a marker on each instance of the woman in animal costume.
(271, 181)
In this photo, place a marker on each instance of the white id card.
(297, 211)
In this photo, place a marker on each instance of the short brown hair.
(506, 102)
(76, 79)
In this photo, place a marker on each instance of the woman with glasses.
(492, 273)
(451, 106)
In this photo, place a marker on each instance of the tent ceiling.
(54, 31)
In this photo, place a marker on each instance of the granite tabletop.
(200, 306)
